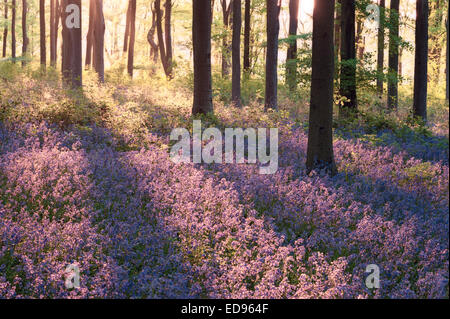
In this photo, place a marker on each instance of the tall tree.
(247, 30)
(421, 60)
(273, 28)
(132, 37)
(99, 40)
(380, 58)
(13, 31)
(226, 50)
(90, 35)
(25, 39)
(337, 29)
(394, 41)
(71, 48)
(201, 38)
(154, 49)
(348, 57)
(236, 54)
(5, 30)
(435, 48)
(165, 40)
(320, 140)
(54, 23)
(42, 32)
(127, 28)
(291, 57)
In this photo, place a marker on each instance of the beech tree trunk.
(236, 54)
(421, 61)
(13, 31)
(71, 53)
(90, 35)
(320, 140)
(164, 40)
(25, 39)
(337, 29)
(154, 49)
(201, 38)
(54, 17)
(273, 28)
(247, 30)
(380, 57)
(99, 41)
(132, 37)
(393, 55)
(5, 31)
(42, 32)
(226, 50)
(291, 58)
(127, 28)
(348, 57)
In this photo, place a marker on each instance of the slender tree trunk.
(320, 140)
(236, 54)
(273, 28)
(380, 58)
(164, 40)
(337, 30)
(291, 57)
(168, 38)
(25, 39)
(247, 30)
(348, 57)
(53, 31)
(226, 50)
(201, 38)
(56, 27)
(421, 60)
(435, 50)
(132, 37)
(90, 35)
(99, 41)
(5, 31)
(393, 55)
(127, 28)
(42, 32)
(13, 31)
(151, 38)
(72, 57)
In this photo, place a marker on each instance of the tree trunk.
(42, 32)
(393, 55)
(291, 57)
(90, 35)
(348, 58)
(337, 30)
(421, 61)
(201, 38)
(226, 50)
(53, 31)
(247, 30)
(380, 58)
(5, 31)
(25, 39)
(164, 40)
(127, 28)
(273, 28)
(236, 54)
(132, 37)
(13, 31)
(72, 56)
(435, 50)
(320, 140)
(99, 41)
(151, 38)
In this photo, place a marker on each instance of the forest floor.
(86, 179)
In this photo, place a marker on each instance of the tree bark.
(291, 57)
(164, 40)
(13, 31)
(201, 38)
(273, 28)
(247, 30)
(154, 49)
(348, 57)
(236, 54)
(320, 140)
(53, 30)
(90, 35)
(5, 31)
(421, 61)
(25, 39)
(43, 47)
(226, 50)
(127, 28)
(393, 55)
(72, 56)
(99, 41)
(380, 57)
(132, 37)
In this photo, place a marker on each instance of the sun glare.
(306, 8)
